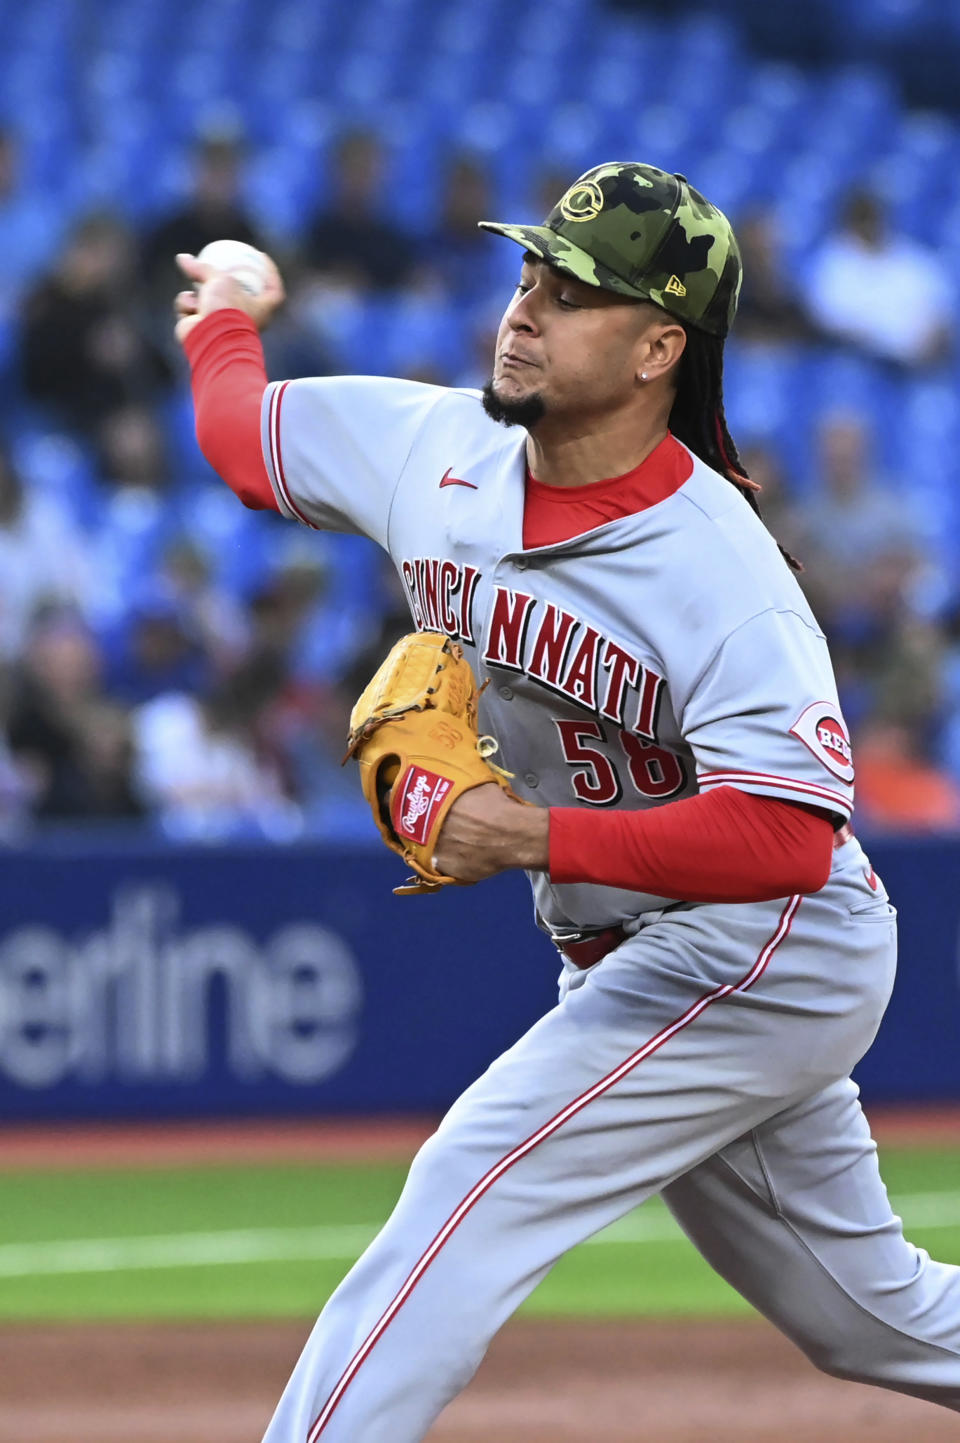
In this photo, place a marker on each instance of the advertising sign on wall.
(189, 982)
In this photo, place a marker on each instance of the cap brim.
(541, 241)
(544, 242)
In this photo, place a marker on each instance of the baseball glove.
(414, 733)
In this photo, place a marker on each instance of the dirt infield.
(185, 1144)
(541, 1383)
(556, 1382)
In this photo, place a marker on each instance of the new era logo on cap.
(417, 798)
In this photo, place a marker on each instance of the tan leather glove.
(414, 733)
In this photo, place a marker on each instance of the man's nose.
(522, 315)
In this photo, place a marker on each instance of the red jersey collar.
(662, 473)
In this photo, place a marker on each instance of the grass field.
(273, 1240)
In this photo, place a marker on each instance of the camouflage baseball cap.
(646, 234)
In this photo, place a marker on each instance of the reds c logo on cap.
(416, 800)
(822, 730)
(583, 201)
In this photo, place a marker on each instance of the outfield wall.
(138, 980)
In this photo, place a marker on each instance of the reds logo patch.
(417, 798)
(823, 731)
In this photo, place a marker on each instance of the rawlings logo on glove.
(414, 733)
(418, 795)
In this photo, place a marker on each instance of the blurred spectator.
(549, 184)
(30, 227)
(854, 517)
(315, 720)
(133, 517)
(781, 515)
(157, 653)
(318, 626)
(353, 242)
(105, 756)
(213, 211)
(301, 340)
(882, 291)
(769, 311)
(301, 643)
(898, 787)
(41, 558)
(291, 709)
(908, 677)
(457, 254)
(863, 563)
(482, 339)
(215, 616)
(394, 621)
(133, 450)
(949, 741)
(19, 781)
(61, 731)
(860, 544)
(84, 348)
(198, 765)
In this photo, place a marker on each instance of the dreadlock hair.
(697, 418)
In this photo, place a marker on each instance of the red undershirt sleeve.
(228, 378)
(722, 846)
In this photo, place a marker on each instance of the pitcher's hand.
(486, 832)
(219, 291)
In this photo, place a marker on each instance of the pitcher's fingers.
(184, 326)
(185, 303)
(196, 270)
(273, 281)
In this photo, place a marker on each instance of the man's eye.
(568, 305)
(521, 288)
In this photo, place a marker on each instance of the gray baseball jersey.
(705, 1058)
(655, 656)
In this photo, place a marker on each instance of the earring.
(643, 375)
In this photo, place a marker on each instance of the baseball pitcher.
(615, 683)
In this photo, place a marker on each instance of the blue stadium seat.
(420, 334)
(55, 465)
(234, 539)
(354, 328)
(108, 97)
(281, 188)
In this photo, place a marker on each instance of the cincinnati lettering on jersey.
(441, 595)
(540, 640)
(573, 659)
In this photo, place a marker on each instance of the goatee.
(514, 413)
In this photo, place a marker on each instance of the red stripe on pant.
(547, 1130)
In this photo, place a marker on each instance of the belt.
(583, 949)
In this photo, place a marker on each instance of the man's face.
(571, 347)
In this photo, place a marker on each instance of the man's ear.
(663, 345)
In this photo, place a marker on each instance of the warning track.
(162, 1145)
(186, 1144)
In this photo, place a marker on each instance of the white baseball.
(244, 263)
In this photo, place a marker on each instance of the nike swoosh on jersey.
(448, 480)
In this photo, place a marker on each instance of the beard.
(526, 412)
